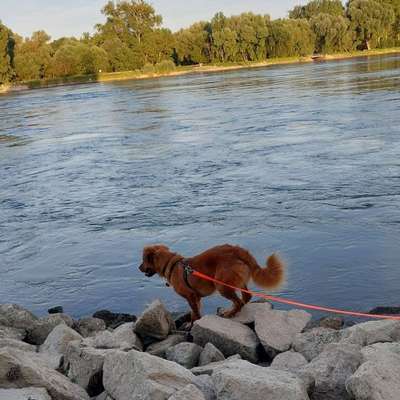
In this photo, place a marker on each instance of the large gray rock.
(155, 321)
(137, 375)
(209, 369)
(84, 366)
(123, 338)
(311, 343)
(331, 369)
(20, 369)
(90, 326)
(185, 354)
(189, 392)
(228, 336)
(378, 378)
(17, 344)
(15, 316)
(242, 380)
(159, 348)
(372, 332)
(30, 393)
(277, 329)
(248, 313)
(206, 385)
(39, 332)
(55, 346)
(210, 354)
(6, 332)
(289, 361)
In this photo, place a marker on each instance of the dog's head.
(155, 258)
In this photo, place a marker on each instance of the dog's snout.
(141, 268)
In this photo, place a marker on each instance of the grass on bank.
(167, 68)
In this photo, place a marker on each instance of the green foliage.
(165, 66)
(332, 33)
(315, 7)
(7, 44)
(372, 22)
(148, 69)
(290, 37)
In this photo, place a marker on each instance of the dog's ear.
(148, 255)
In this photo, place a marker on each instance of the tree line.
(132, 38)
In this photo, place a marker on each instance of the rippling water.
(303, 159)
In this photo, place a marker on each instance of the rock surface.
(185, 354)
(206, 385)
(228, 336)
(114, 320)
(17, 344)
(210, 354)
(30, 393)
(247, 314)
(289, 361)
(90, 326)
(20, 369)
(138, 375)
(15, 316)
(159, 348)
(277, 329)
(242, 380)
(189, 392)
(12, 333)
(155, 321)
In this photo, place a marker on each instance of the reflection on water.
(302, 159)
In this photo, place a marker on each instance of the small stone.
(159, 348)
(39, 332)
(210, 354)
(185, 354)
(206, 385)
(90, 326)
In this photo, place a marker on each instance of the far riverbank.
(184, 70)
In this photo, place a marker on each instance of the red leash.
(295, 303)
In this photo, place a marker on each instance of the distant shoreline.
(185, 70)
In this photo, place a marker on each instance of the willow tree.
(6, 54)
(315, 7)
(371, 21)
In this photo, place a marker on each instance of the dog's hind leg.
(230, 294)
(246, 297)
(195, 304)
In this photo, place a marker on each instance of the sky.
(73, 17)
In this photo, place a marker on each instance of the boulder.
(114, 320)
(289, 361)
(209, 369)
(30, 393)
(277, 329)
(15, 316)
(55, 346)
(90, 326)
(155, 322)
(159, 348)
(84, 366)
(378, 378)
(185, 354)
(56, 310)
(248, 313)
(123, 338)
(241, 380)
(210, 354)
(228, 336)
(206, 385)
(7, 332)
(311, 343)
(137, 375)
(189, 392)
(372, 332)
(20, 369)
(39, 332)
(331, 369)
(17, 344)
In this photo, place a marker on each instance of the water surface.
(302, 159)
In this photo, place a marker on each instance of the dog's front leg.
(195, 304)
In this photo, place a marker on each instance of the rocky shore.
(261, 354)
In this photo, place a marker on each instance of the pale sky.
(73, 17)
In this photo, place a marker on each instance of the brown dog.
(230, 264)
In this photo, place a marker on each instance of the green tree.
(6, 54)
(315, 7)
(290, 37)
(332, 33)
(33, 57)
(372, 22)
(193, 45)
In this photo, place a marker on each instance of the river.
(301, 159)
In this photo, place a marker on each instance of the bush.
(148, 69)
(165, 66)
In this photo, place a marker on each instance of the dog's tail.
(272, 276)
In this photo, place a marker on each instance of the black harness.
(187, 270)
